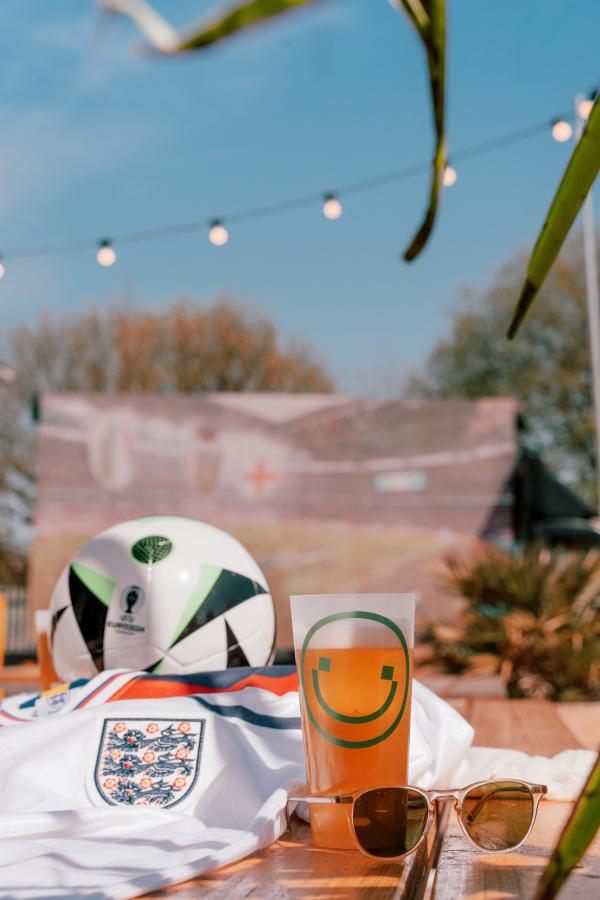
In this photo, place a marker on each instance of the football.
(164, 594)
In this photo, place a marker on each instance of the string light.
(106, 255)
(561, 130)
(332, 208)
(218, 234)
(450, 176)
(585, 106)
(330, 203)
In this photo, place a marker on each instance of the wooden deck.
(464, 873)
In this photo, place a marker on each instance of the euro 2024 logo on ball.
(131, 602)
(132, 599)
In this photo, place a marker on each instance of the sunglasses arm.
(338, 798)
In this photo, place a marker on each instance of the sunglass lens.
(388, 822)
(497, 815)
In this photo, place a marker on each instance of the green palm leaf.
(572, 191)
(428, 17)
(240, 17)
(576, 837)
(165, 39)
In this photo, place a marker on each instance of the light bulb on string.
(332, 208)
(2, 268)
(218, 234)
(106, 255)
(561, 130)
(584, 107)
(450, 176)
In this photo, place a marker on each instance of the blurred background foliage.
(532, 618)
(548, 371)
(184, 348)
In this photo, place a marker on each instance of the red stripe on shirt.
(13, 718)
(98, 689)
(154, 688)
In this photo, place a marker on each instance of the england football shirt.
(135, 781)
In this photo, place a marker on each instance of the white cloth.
(564, 774)
(59, 837)
(439, 738)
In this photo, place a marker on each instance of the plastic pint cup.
(354, 659)
(42, 623)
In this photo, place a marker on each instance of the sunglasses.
(391, 822)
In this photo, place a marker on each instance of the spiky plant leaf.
(572, 191)
(415, 11)
(531, 617)
(576, 837)
(159, 33)
(428, 18)
(165, 39)
(241, 17)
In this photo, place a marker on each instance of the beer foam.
(354, 630)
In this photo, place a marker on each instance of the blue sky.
(96, 141)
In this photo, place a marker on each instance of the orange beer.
(355, 669)
(48, 676)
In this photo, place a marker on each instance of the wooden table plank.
(19, 679)
(464, 873)
(24, 673)
(533, 726)
(292, 868)
(462, 685)
(583, 721)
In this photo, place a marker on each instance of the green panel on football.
(227, 591)
(100, 586)
(206, 581)
(155, 669)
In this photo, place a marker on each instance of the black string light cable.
(218, 234)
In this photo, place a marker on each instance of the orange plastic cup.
(48, 676)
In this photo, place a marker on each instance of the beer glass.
(354, 659)
(42, 624)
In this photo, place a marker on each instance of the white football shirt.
(128, 787)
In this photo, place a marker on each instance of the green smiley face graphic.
(386, 674)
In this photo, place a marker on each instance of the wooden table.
(291, 868)
(537, 727)
(19, 679)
